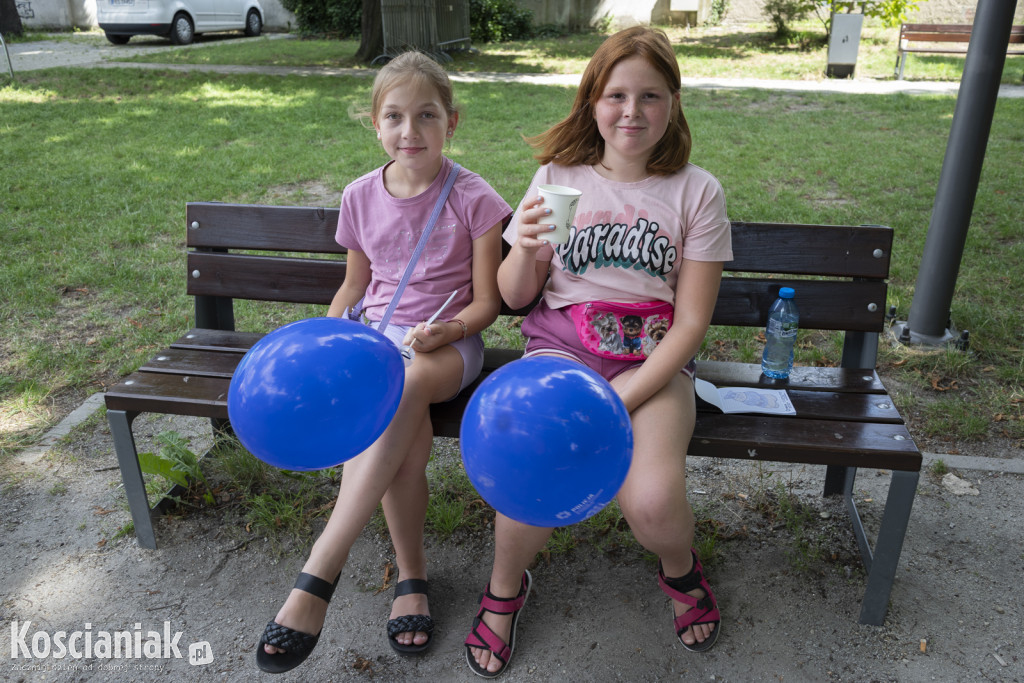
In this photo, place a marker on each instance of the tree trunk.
(10, 20)
(371, 45)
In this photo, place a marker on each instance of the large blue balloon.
(315, 393)
(546, 441)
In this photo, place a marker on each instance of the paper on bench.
(745, 399)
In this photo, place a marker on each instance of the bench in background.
(845, 418)
(913, 35)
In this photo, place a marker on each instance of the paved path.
(52, 53)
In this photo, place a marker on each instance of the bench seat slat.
(176, 361)
(756, 437)
(217, 340)
(819, 405)
(152, 392)
(722, 373)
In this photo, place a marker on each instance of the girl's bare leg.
(515, 546)
(366, 478)
(405, 509)
(653, 498)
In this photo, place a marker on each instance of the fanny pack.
(621, 331)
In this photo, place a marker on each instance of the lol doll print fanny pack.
(621, 331)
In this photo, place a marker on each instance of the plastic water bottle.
(780, 336)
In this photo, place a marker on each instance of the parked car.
(179, 20)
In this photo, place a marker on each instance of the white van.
(179, 20)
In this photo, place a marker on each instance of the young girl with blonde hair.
(383, 215)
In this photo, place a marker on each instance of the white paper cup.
(563, 202)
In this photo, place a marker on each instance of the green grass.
(732, 52)
(98, 164)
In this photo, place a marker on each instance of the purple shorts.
(552, 331)
(471, 349)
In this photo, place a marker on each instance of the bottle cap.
(786, 293)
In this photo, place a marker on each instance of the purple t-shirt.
(387, 229)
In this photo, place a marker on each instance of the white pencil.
(406, 349)
(443, 306)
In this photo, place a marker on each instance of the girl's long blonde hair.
(408, 68)
(576, 139)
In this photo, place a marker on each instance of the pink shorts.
(552, 331)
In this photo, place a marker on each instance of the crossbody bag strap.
(421, 245)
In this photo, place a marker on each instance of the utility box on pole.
(843, 44)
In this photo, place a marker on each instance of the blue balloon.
(546, 441)
(315, 393)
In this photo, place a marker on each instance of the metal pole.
(958, 181)
(10, 66)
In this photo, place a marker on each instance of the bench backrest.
(277, 253)
(949, 33)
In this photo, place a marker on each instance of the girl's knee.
(657, 509)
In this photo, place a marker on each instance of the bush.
(782, 14)
(339, 18)
(719, 8)
(491, 21)
(495, 21)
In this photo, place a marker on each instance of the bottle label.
(779, 329)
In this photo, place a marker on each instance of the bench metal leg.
(221, 429)
(888, 547)
(835, 480)
(131, 474)
(881, 564)
(855, 520)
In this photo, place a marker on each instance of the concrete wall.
(623, 13)
(66, 14)
(57, 14)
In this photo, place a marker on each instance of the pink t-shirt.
(387, 229)
(628, 239)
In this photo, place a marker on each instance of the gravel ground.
(955, 612)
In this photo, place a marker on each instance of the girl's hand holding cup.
(549, 216)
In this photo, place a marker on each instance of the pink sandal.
(702, 610)
(482, 637)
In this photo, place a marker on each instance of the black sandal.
(296, 645)
(411, 622)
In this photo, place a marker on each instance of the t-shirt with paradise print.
(627, 239)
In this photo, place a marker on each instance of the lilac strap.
(421, 245)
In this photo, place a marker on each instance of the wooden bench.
(845, 419)
(947, 34)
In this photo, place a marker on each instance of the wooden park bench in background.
(845, 418)
(924, 38)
